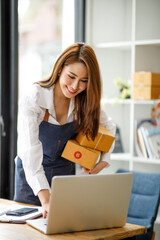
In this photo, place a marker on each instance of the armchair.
(144, 202)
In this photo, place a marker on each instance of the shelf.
(146, 160)
(127, 157)
(116, 101)
(148, 42)
(119, 45)
(127, 45)
(121, 156)
(154, 101)
(128, 42)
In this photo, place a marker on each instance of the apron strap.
(46, 116)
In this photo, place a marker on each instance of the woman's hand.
(44, 197)
(45, 207)
(97, 168)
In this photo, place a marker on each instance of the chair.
(144, 202)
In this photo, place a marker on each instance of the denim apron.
(53, 138)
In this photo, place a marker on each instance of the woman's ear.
(59, 73)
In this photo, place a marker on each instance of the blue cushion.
(145, 198)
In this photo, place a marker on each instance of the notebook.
(17, 219)
(86, 202)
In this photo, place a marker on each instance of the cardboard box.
(83, 156)
(102, 142)
(146, 79)
(146, 93)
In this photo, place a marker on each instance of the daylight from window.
(40, 39)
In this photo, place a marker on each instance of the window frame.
(9, 94)
(80, 20)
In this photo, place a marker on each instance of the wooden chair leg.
(153, 236)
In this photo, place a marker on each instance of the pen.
(11, 221)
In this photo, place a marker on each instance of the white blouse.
(31, 113)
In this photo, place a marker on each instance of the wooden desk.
(10, 231)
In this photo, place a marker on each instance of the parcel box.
(146, 79)
(146, 93)
(102, 142)
(80, 155)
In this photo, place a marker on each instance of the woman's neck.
(61, 105)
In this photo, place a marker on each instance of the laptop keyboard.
(43, 221)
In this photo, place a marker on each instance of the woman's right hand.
(45, 209)
(44, 197)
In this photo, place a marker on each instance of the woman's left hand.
(97, 168)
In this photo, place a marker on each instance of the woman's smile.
(71, 91)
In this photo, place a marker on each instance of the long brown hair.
(87, 103)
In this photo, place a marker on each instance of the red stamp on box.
(77, 154)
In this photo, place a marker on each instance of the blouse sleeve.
(29, 146)
(108, 123)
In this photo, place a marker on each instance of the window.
(40, 39)
(46, 27)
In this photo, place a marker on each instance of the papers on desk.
(17, 219)
(4, 208)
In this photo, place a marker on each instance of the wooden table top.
(10, 231)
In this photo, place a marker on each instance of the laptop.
(86, 202)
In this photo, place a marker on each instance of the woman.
(58, 108)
